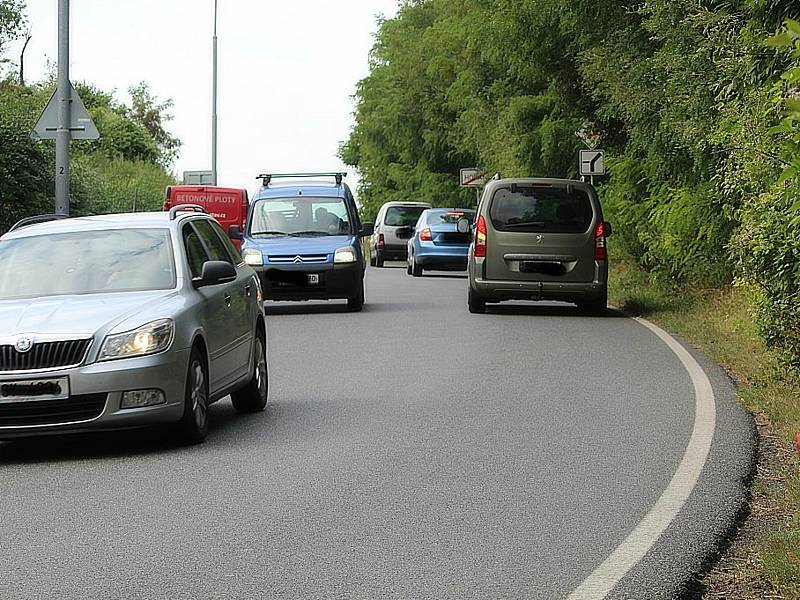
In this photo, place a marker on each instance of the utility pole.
(64, 93)
(214, 105)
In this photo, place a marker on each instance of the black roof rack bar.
(173, 212)
(35, 220)
(266, 178)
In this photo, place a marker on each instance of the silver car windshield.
(300, 217)
(87, 262)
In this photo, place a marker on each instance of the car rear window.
(403, 216)
(541, 209)
(449, 217)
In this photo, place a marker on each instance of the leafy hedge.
(123, 170)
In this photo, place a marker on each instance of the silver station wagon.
(539, 239)
(126, 321)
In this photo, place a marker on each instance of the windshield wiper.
(269, 233)
(309, 232)
(527, 224)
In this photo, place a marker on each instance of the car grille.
(44, 355)
(52, 412)
(301, 259)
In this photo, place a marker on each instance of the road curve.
(409, 451)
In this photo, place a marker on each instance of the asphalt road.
(409, 451)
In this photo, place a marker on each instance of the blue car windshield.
(300, 217)
(86, 262)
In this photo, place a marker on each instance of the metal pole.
(63, 134)
(214, 105)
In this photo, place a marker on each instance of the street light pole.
(214, 105)
(63, 134)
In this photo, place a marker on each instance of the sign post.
(474, 178)
(592, 162)
(65, 117)
(64, 94)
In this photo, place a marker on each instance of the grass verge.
(763, 560)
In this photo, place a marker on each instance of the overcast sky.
(288, 70)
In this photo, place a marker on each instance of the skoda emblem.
(24, 344)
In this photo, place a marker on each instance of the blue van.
(305, 239)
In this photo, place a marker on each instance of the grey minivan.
(394, 226)
(126, 321)
(539, 239)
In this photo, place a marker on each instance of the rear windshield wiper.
(527, 224)
(268, 233)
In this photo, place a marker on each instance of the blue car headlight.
(253, 257)
(345, 255)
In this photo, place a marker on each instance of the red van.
(226, 205)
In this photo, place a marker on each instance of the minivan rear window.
(403, 216)
(541, 209)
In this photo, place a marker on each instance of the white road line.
(647, 532)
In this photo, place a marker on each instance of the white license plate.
(33, 390)
(313, 279)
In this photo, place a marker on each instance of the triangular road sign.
(81, 125)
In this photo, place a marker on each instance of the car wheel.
(379, 259)
(595, 306)
(416, 268)
(371, 259)
(475, 303)
(193, 426)
(356, 303)
(253, 397)
(408, 266)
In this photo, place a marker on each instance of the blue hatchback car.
(304, 239)
(441, 240)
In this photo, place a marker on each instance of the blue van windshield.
(300, 217)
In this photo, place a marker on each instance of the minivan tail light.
(425, 235)
(600, 252)
(381, 240)
(480, 238)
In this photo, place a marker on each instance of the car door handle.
(228, 300)
(248, 290)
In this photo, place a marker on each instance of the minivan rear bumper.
(498, 290)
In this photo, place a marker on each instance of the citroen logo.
(298, 259)
(24, 344)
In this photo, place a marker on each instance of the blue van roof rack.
(266, 178)
(36, 219)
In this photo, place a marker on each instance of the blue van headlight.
(253, 257)
(345, 255)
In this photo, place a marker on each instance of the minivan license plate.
(34, 390)
(313, 279)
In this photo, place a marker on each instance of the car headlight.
(253, 257)
(345, 255)
(148, 339)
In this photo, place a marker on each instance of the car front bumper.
(96, 392)
(290, 282)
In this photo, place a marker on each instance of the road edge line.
(645, 535)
